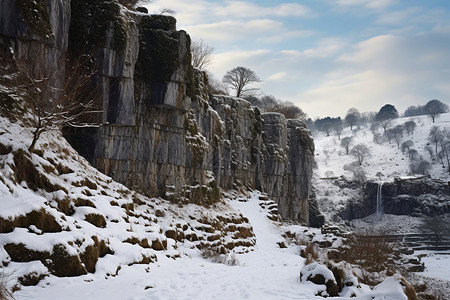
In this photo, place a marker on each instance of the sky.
(327, 56)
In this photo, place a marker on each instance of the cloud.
(280, 76)
(261, 30)
(326, 48)
(399, 16)
(372, 4)
(393, 69)
(223, 62)
(242, 9)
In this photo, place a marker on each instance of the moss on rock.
(90, 20)
(158, 49)
(35, 15)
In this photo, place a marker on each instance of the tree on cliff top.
(201, 54)
(238, 80)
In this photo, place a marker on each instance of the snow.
(268, 272)
(265, 271)
(436, 264)
(385, 163)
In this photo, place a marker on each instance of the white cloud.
(400, 16)
(373, 4)
(277, 76)
(400, 70)
(223, 62)
(242, 9)
(326, 48)
(404, 62)
(261, 30)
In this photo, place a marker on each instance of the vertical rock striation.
(161, 132)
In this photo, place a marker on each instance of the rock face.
(161, 132)
(37, 33)
(403, 197)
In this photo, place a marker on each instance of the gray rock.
(161, 132)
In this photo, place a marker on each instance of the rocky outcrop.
(37, 33)
(403, 197)
(161, 132)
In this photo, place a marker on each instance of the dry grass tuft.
(310, 253)
(5, 292)
(96, 220)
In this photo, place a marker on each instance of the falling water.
(379, 199)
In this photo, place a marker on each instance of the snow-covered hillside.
(70, 232)
(386, 161)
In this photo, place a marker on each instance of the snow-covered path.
(268, 272)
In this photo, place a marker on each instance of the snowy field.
(385, 163)
(268, 272)
(437, 265)
(179, 271)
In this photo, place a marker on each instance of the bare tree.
(438, 226)
(338, 129)
(352, 117)
(166, 10)
(413, 154)
(399, 129)
(289, 110)
(434, 136)
(385, 123)
(74, 104)
(390, 134)
(398, 139)
(434, 108)
(359, 174)
(238, 80)
(410, 126)
(215, 86)
(201, 54)
(360, 152)
(345, 142)
(445, 148)
(420, 167)
(406, 145)
(374, 127)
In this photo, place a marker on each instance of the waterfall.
(379, 199)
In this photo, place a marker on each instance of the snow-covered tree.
(352, 117)
(410, 126)
(434, 137)
(360, 152)
(345, 143)
(406, 145)
(434, 108)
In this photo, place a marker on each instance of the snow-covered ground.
(436, 264)
(262, 271)
(385, 163)
(268, 272)
(387, 160)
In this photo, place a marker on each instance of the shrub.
(371, 251)
(5, 292)
(219, 254)
(310, 252)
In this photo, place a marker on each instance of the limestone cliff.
(161, 132)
